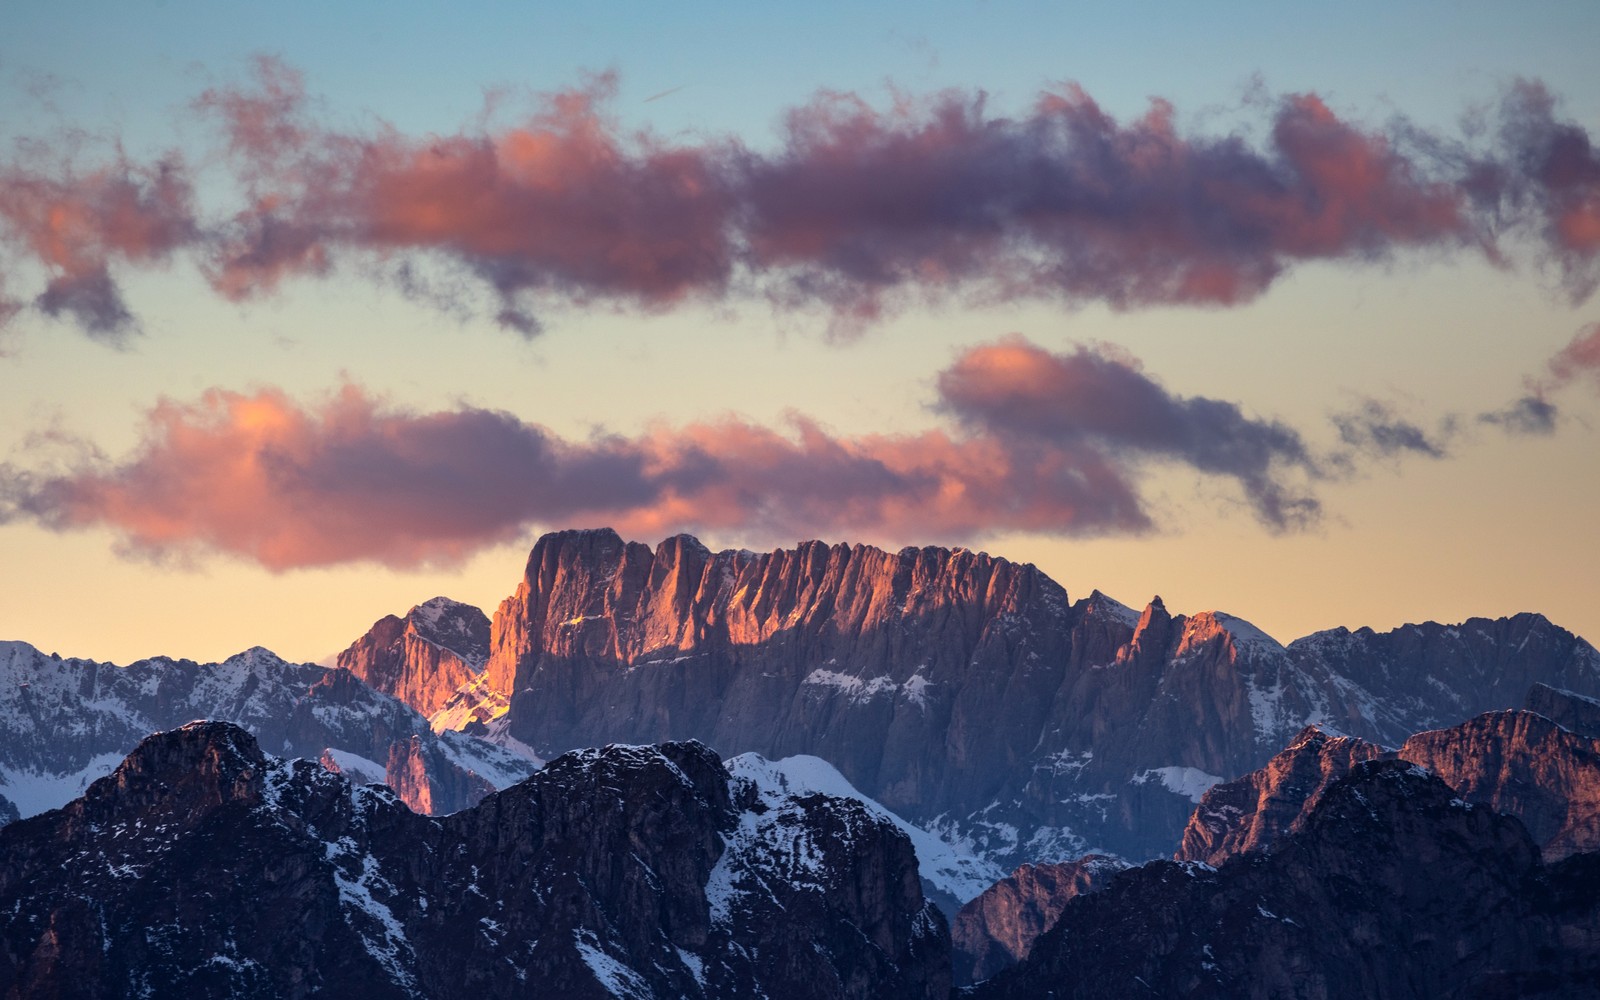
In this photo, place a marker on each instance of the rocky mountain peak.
(426, 656)
(1238, 636)
(1514, 762)
(1153, 632)
(850, 625)
(1255, 811)
(173, 779)
(460, 628)
(623, 871)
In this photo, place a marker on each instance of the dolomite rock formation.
(1514, 762)
(424, 657)
(966, 692)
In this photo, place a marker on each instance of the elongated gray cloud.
(857, 208)
(1526, 415)
(1043, 442)
(1373, 428)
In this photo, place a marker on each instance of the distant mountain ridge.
(962, 691)
(65, 722)
(1517, 763)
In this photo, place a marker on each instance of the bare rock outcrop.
(1514, 762)
(424, 657)
(998, 929)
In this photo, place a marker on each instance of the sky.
(309, 313)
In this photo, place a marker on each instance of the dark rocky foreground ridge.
(1393, 888)
(1515, 762)
(967, 692)
(203, 867)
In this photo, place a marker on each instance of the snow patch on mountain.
(357, 770)
(475, 701)
(863, 689)
(33, 792)
(447, 624)
(500, 765)
(946, 866)
(618, 980)
(1190, 782)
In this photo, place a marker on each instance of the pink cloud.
(1579, 358)
(77, 225)
(265, 478)
(563, 203)
(856, 210)
(1100, 398)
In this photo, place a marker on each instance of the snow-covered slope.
(950, 870)
(66, 722)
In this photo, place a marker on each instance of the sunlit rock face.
(998, 929)
(967, 692)
(423, 658)
(1394, 887)
(203, 867)
(1253, 812)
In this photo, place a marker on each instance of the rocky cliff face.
(1517, 763)
(1514, 762)
(1254, 812)
(423, 658)
(998, 929)
(964, 691)
(1524, 765)
(1429, 676)
(204, 867)
(1566, 709)
(1394, 888)
(66, 722)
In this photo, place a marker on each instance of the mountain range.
(966, 692)
(936, 715)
